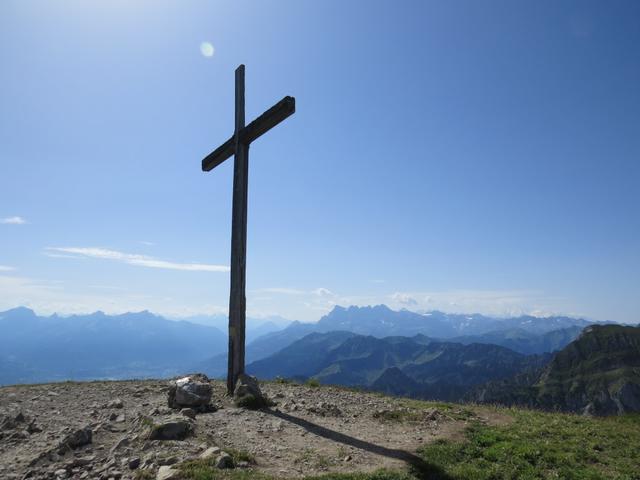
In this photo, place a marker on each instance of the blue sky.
(462, 156)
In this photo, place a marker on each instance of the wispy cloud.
(5, 268)
(320, 292)
(133, 259)
(146, 243)
(283, 291)
(49, 296)
(404, 299)
(13, 221)
(488, 302)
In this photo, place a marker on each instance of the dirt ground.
(310, 430)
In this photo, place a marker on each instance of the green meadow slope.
(598, 373)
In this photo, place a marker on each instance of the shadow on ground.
(422, 469)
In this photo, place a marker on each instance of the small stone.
(134, 463)
(33, 428)
(172, 429)
(168, 460)
(188, 412)
(167, 473)
(122, 442)
(84, 461)
(210, 452)
(115, 403)
(224, 461)
(77, 439)
(348, 458)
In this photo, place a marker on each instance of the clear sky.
(463, 156)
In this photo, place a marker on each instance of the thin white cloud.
(13, 221)
(148, 244)
(134, 259)
(319, 292)
(283, 291)
(5, 268)
(50, 296)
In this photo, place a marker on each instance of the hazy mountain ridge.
(36, 349)
(525, 342)
(524, 334)
(437, 370)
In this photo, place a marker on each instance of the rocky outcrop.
(76, 439)
(248, 394)
(193, 391)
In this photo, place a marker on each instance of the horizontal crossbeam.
(261, 125)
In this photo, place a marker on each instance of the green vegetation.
(282, 380)
(144, 475)
(398, 415)
(312, 382)
(543, 445)
(240, 455)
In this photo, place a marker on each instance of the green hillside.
(598, 373)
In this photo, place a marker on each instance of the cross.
(238, 145)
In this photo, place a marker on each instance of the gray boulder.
(192, 391)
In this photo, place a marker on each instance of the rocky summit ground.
(116, 430)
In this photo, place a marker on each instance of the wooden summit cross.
(238, 145)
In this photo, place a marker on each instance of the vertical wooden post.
(237, 300)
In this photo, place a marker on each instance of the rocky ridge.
(112, 430)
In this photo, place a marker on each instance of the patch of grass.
(147, 422)
(451, 410)
(540, 445)
(398, 415)
(206, 470)
(309, 456)
(240, 455)
(282, 380)
(312, 382)
(144, 475)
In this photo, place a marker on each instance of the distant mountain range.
(598, 373)
(256, 327)
(426, 355)
(82, 347)
(524, 334)
(417, 366)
